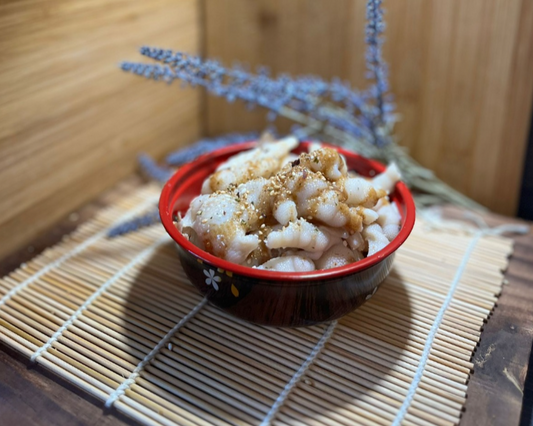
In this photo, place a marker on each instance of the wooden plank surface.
(72, 123)
(496, 390)
(29, 394)
(498, 393)
(460, 71)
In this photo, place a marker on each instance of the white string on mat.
(79, 248)
(432, 217)
(497, 230)
(148, 358)
(485, 230)
(145, 253)
(298, 375)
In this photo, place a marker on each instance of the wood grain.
(499, 391)
(460, 71)
(32, 396)
(72, 122)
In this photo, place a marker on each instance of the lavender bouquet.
(330, 111)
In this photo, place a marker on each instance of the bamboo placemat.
(119, 319)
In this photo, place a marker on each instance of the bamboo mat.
(119, 319)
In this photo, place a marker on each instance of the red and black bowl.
(276, 298)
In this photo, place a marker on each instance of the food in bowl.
(270, 209)
(270, 297)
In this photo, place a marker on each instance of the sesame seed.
(204, 221)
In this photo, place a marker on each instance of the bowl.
(270, 297)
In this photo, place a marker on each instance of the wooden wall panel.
(71, 122)
(461, 72)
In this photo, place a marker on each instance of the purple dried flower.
(136, 223)
(302, 94)
(231, 83)
(377, 69)
(365, 115)
(153, 170)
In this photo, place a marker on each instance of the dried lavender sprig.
(136, 223)
(303, 94)
(193, 151)
(231, 83)
(153, 170)
(259, 88)
(376, 66)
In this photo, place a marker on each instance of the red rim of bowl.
(166, 214)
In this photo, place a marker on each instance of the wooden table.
(500, 390)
